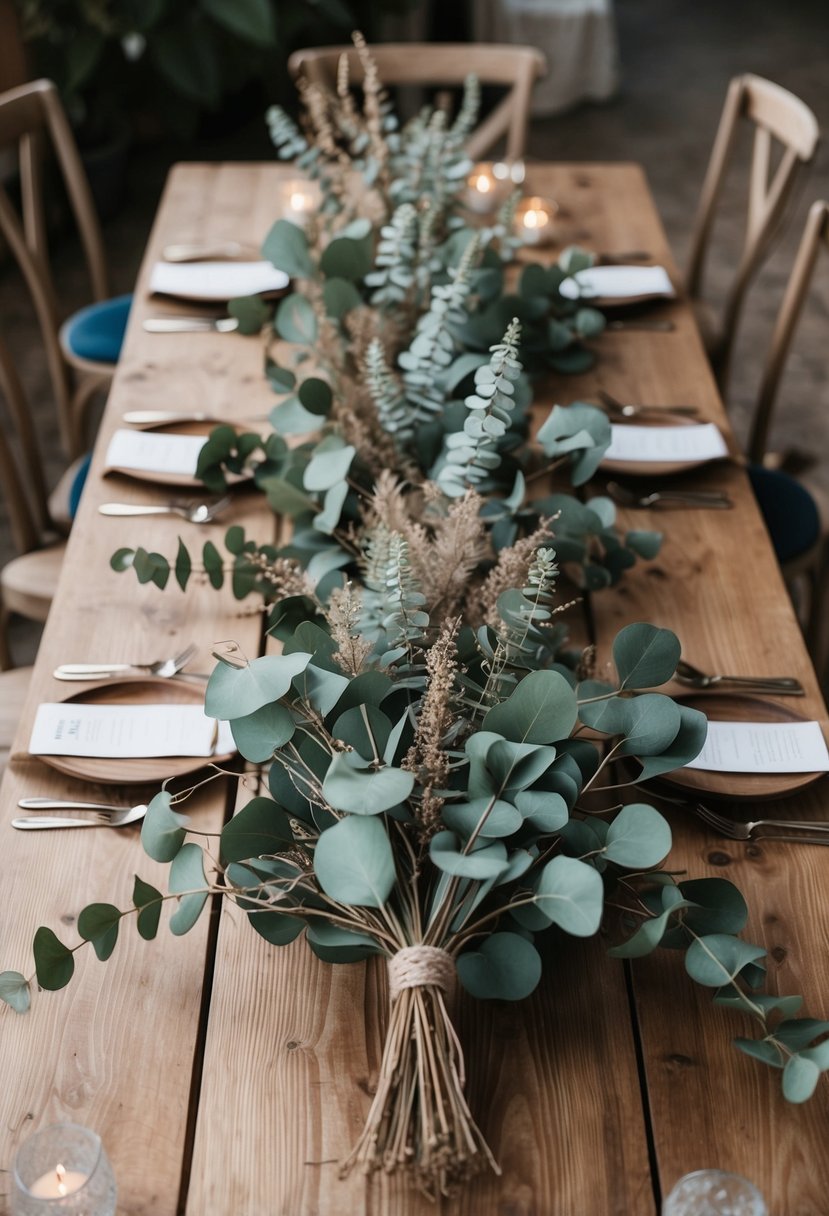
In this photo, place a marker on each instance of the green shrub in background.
(164, 63)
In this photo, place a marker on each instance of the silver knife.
(190, 325)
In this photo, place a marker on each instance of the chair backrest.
(815, 234)
(31, 119)
(423, 63)
(22, 480)
(776, 114)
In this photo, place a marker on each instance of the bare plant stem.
(419, 1121)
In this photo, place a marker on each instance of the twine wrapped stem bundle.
(419, 1120)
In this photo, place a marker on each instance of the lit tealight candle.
(534, 220)
(58, 1183)
(299, 200)
(483, 193)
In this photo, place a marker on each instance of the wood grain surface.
(291, 1046)
(115, 1051)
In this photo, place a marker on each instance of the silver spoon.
(201, 513)
(687, 674)
(99, 819)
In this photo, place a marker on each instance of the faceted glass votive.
(63, 1169)
(714, 1193)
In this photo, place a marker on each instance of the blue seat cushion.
(789, 511)
(97, 332)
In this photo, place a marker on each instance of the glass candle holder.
(535, 220)
(63, 1169)
(714, 1193)
(484, 191)
(298, 200)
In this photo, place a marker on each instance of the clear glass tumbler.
(714, 1193)
(63, 1169)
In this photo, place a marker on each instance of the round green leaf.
(542, 709)
(14, 990)
(365, 728)
(354, 863)
(645, 655)
(688, 743)
(638, 837)
(716, 959)
(487, 862)
(187, 874)
(263, 732)
(259, 829)
(339, 297)
(505, 967)
(334, 944)
(800, 1076)
(278, 928)
(54, 962)
(365, 791)
(98, 923)
(235, 692)
(502, 819)
(329, 464)
(315, 396)
(295, 320)
(345, 258)
(286, 246)
(149, 901)
(163, 830)
(570, 893)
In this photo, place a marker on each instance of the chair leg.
(5, 653)
(86, 388)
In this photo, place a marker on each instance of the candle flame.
(483, 184)
(532, 219)
(60, 1174)
(299, 202)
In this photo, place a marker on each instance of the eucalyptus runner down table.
(225, 1076)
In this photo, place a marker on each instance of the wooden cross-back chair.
(428, 64)
(31, 121)
(792, 515)
(776, 115)
(28, 581)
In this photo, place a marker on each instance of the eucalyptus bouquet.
(441, 794)
(400, 351)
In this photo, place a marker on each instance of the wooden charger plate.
(657, 468)
(143, 690)
(733, 707)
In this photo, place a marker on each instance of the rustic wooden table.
(228, 1077)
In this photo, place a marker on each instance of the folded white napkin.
(218, 281)
(618, 283)
(152, 452)
(655, 444)
(763, 747)
(127, 731)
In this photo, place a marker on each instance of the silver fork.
(201, 513)
(713, 500)
(735, 830)
(692, 677)
(118, 817)
(97, 671)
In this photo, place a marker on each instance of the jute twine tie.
(420, 966)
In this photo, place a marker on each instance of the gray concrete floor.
(677, 58)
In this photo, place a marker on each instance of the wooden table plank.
(116, 1049)
(718, 585)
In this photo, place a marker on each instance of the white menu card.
(218, 281)
(763, 747)
(667, 444)
(618, 283)
(127, 731)
(151, 452)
